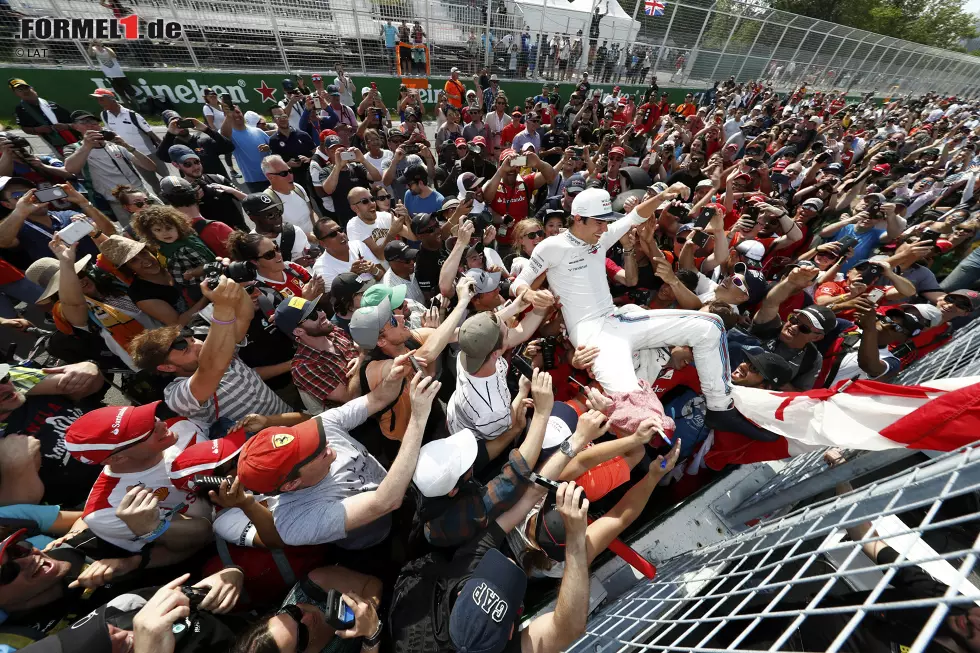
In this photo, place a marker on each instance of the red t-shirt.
(508, 133)
(10, 274)
(295, 275)
(514, 201)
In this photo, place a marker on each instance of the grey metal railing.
(692, 43)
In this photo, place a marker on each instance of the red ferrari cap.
(271, 455)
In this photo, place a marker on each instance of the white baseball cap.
(442, 463)
(594, 203)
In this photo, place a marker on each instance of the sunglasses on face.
(271, 254)
(181, 343)
(535, 234)
(282, 173)
(332, 234)
(366, 200)
(188, 164)
(382, 198)
(804, 329)
(10, 569)
(302, 632)
(139, 203)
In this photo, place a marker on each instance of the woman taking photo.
(153, 289)
(289, 279)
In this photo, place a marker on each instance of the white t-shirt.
(382, 162)
(217, 114)
(316, 515)
(110, 488)
(131, 126)
(357, 229)
(328, 267)
(296, 211)
(481, 404)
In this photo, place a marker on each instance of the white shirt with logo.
(110, 488)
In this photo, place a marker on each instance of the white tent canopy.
(567, 17)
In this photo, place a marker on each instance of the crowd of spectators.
(381, 369)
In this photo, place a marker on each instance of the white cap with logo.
(594, 203)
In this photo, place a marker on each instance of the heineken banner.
(71, 88)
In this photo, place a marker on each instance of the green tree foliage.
(940, 23)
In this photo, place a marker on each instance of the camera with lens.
(238, 271)
(22, 148)
(481, 221)
(547, 346)
(108, 134)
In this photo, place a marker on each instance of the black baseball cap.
(422, 223)
(414, 173)
(81, 115)
(772, 367)
(256, 203)
(487, 608)
(819, 317)
(550, 532)
(345, 285)
(397, 250)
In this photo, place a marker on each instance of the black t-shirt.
(426, 591)
(267, 345)
(428, 263)
(354, 176)
(221, 207)
(685, 177)
(142, 289)
(550, 140)
(67, 481)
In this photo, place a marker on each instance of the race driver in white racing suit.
(574, 262)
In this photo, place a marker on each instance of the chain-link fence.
(680, 43)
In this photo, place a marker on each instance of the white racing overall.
(576, 273)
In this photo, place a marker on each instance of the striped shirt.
(240, 392)
(481, 404)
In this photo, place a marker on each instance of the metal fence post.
(78, 44)
(814, 57)
(775, 49)
(798, 48)
(843, 68)
(488, 45)
(183, 34)
(748, 54)
(275, 32)
(663, 44)
(360, 41)
(724, 48)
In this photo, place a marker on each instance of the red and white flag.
(940, 415)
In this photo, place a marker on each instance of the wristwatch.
(566, 448)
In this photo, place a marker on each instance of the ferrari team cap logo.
(281, 440)
(297, 302)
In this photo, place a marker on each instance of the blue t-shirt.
(430, 204)
(391, 35)
(43, 516)
(247, 154)
(865, 245)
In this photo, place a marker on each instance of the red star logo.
(267, 92)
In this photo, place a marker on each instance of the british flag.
(653, 7)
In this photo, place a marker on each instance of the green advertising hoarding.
(71, 88)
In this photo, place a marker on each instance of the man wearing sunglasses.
(341, 254)
(210, 383)
(296, 208)
(795, 340)
(323, 351)
(873, 359)
(372, 227)
(206, 143)
(266, 213)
